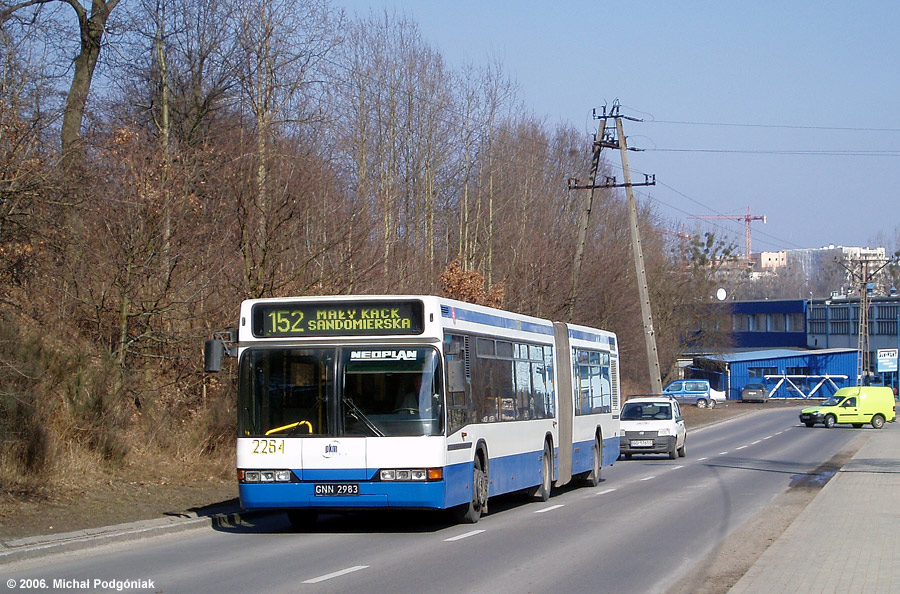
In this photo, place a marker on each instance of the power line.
(773, 126)
(780, 242)
(826, 153)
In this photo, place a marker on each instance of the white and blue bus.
(417, 402)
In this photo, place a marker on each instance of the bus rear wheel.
(593, 477)
(542, 491)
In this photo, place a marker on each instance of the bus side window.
(459, 401)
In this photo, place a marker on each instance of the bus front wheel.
(470, 513)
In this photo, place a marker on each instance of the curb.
(32, 547)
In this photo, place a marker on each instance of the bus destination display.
(273, 320)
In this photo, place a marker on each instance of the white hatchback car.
(652, 425)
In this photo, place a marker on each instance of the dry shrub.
(54, 398)
(25, 416)
(469, 286)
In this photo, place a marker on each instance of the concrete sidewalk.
(221, 515)
(847, 539)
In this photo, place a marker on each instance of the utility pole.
(585, 217)
(644, 293)
(863, 277)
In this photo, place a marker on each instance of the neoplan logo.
(383, 355)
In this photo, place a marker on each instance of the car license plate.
(641, 443)
(336, 489)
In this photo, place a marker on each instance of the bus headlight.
(265, 476)
(411, 474)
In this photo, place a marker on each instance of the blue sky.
(789, 108)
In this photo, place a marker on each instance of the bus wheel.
(302, 519)
(543, 490)
(593, 477)
(470, 513)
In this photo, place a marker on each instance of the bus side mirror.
(213, 353)
(217, 348)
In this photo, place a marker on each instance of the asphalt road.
(647, 524)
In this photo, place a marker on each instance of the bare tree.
(92, 25)
(278, 47)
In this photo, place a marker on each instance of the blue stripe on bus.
(610, 451)
(591, 337)
(477, 317)
(583, 459)
(373, 494)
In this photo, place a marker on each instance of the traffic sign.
(887, 360)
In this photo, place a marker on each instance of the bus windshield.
(293, 391)
(395, 391)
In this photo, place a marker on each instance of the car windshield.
(833, 401)
(365, 391)
(642, 411)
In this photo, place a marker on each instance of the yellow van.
(855, 406)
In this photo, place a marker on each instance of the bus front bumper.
(367, 495)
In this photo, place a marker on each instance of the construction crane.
(747, 218)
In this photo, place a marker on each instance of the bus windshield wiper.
(360, 416)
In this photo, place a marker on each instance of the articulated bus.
(416, 402)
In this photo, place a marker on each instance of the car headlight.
(665, 431)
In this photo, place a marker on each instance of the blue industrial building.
(768, 324)
(817, 324)
(787, 373)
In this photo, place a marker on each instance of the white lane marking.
(701, 459)
(677, 467)
(769, 437)
(723, 453)
(756, 442)
(551, 508)
(607, 491)
(329, 576)
(740, 448)
(648, 478)
(462, 536)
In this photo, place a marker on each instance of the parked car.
(694, 391)
(755, 392)
(652, 425)
(856, 406)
